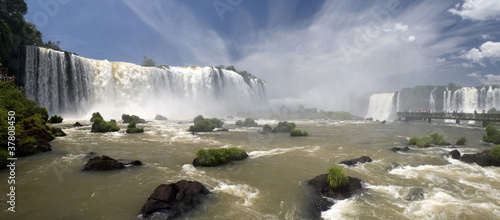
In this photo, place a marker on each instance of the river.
(271, 184)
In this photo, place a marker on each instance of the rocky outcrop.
(175, 199)
(323, 189)
(455, 154)
(402, 149)
(107, 163)
(353, 162)
(481, 159)
(31, 148)
(77, 124)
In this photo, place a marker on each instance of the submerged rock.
(107, 163)
(77, 124)
(175, 199)
(416, 194)
(402, 149)
(323, 189)
(353, 162)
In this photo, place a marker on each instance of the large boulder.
(175, 199)
(455, 154)
(103, 163)
(352, 162)
(481, 159)
(323, 189)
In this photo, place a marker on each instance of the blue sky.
(307, 51)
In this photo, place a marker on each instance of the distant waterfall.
(381, 106)
(432, 100)
(72, 85)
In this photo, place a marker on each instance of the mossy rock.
(131, 128)
(55, 119)
(219, 156)
(129, 118)
(298, 133)
(100, 125)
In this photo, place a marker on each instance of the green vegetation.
(249, 122)
(383, 122)
(55, 119)
(57, 131)
(495, 153)
(26, 116)
(148, 62)
(130, 118)
(131, 128)
(284, 127)
(4, 155)
(267, 128)
(461, 141)
(337, 178)
(285, 112)
(297, 133)
(205, 124)
(100, 125)
(160, 118)
(96, 115)
(219, 156)
(427, 141)
(492, 134)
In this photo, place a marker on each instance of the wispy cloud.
(488, 79)
(478, 9)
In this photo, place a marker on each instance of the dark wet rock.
(103, 163)
(353, 162)
(455, 154)
(323, 189)
(58, 132)
(130, 162)
(416, 194)
(77, 124)
(402, 149)
(31, 148)
(394, 165)
(160, 118)
(481, 159)
(175, 199)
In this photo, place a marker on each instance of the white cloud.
(486, 36)
(411, 38)
(400, 27)
(488, 79)
(478, 9)
(489, 50)
(440, 60)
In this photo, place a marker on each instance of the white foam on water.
(343, 209)
(244, 191)
(277, 151)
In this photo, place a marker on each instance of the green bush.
(267, 128)
(217, 122)
(249, 122)
(437, 139)
(198, 118)
(383, 122)
(129, 118)
(219, 156)
(55, 119)
(284, 126)
(297, 133)
(239, 123)
(204, 125)
(131, 128)
(413, 141)
(4, 155)
(424, 142)
(100, 125)
(461, 141)
(492, 134)
(96, 115)
(337, 178)
(495, 153)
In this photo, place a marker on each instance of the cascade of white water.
(432, 100)
(398, 102)
(70, 84)
(381, 106)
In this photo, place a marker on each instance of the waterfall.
(432, 100)
(398, 102)
(68, 84)
(381, 106)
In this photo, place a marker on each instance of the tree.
(148, 62)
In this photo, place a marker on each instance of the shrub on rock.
(205, 124)
(267, 128)
(461, 141)
(427, 141)
(160, 118)
(131, 128)
(55, 119)
(57, 131)
(129, 118)
(297, 133)
(219, 156)
(96, 115)
(100, 125)
(492, 134)
(495, 154)
(284, 126)
(337, 178)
